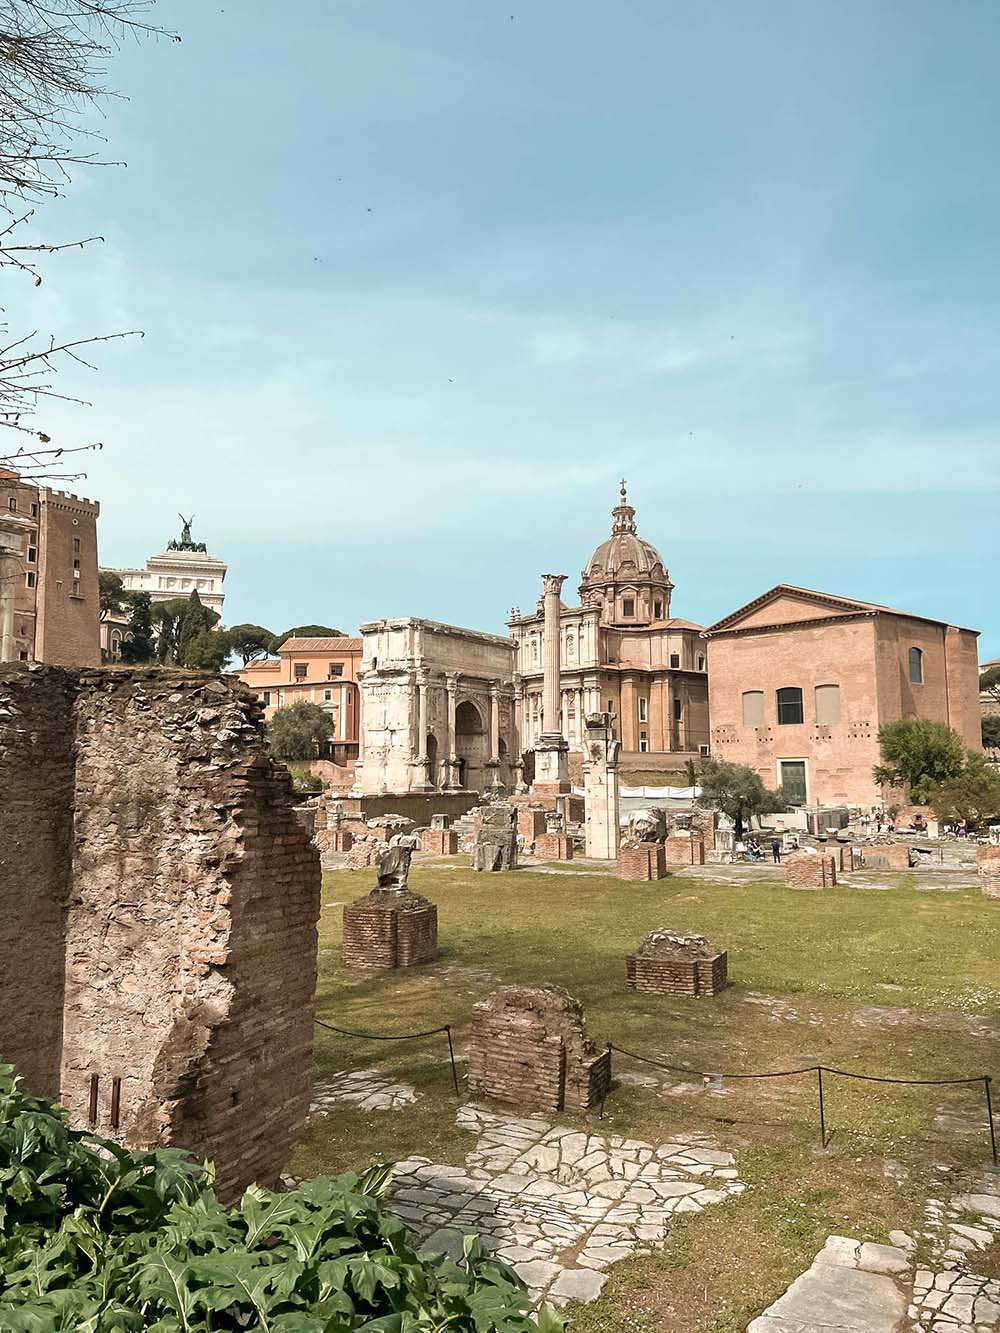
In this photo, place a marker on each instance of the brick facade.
(988, 861)
(163, 898)
(553, 847)
(439, 842)
(681, 850)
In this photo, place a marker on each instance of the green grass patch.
(896, 982)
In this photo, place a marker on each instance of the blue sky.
(420, 281)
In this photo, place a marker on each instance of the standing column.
(422, 761)
(494, 762)
(451, 753)
(551, 765)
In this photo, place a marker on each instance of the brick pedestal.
(439, 842)
(683, 851)
(528, 1048)
(647, 861)
(988, 862)
(805, 871)
(390, 930)
(553, 847)
(677, 976)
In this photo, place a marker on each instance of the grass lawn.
(883, 982)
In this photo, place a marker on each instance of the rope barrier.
(406, 1036)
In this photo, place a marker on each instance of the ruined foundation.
(988, 863)
(682, 850)
(390, 929)
(891, 855)
(805, 871)
(439, 842)
(529, 1049)
(553, 847)
(161, 899)
(671, 964)
(646, 861)
(496, 838)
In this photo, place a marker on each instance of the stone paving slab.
(560, 1205)
(367, 1088)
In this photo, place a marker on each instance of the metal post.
(94, 1081)
(116, 1093)
(451, 1056)
(822, 1109)
(604, 1096)
(989, 1116)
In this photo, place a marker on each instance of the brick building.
(801, 682)
(321, 671)
(49, 596)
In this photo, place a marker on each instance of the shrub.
(96, 1238)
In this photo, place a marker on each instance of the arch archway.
(470, 745)
(433, 776)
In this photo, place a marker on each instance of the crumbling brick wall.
(680, 849)
(189, 927)
(646, 861)
(808, 871)
(988, 862)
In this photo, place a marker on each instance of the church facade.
(621, 652)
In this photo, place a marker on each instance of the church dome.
(626, 561)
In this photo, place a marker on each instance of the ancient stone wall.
(36, 830)
(189, 936)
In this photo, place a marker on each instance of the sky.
(421, 280)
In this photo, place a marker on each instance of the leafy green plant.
(97, 1239)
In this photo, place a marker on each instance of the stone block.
(390, 929)
(806, 870)
(553, 847)
(644, 862)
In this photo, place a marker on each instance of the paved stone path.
(371, 1090)
(855, 1287)
(559, 1205)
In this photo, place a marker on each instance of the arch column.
(422, 762)
(450, 760)
(494, 760)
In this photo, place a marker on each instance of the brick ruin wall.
(892, 855)
(681, 850)
(677, 976)
(988, 863)
(390, 930)
(805, 871)
(646, 861)
(178, 912)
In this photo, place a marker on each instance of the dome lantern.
(626, 576)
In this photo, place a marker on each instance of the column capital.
(552, 583)
(451, 679)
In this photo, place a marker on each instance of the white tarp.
(662, 793)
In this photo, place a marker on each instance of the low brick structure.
(530, 823)
(389, 929)
(892, 855)
(160, 898)
(364, 851)
(529, 1049)
(439, 841)
(667, 963)
(806, 870)
(553, 847)
(646, 861)
(988, 863)
(682, 850)
(334, 840)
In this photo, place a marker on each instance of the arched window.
(789, 705)
(916, 658)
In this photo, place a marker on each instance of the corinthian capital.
(553, 583)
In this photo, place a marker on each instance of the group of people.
(751, 850)
(876, 819)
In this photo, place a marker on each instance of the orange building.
(800, 683)
(50, 592)
(314, 671)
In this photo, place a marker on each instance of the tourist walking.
(776, 851)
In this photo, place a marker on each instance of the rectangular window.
(643, 743)
(789, 705)
(12, 505)
(677, 710)
(643, 710)
(32, 555)
(336, 669)
(657, 609)
(328, 696)
(29, 578)
(76, 545)
(916, 662)
(266, 696)
(23, 655)
(675, 660)
(827, 703)
(628, 607)
(609, 706)
(301, 670)
(34, 511)
(792, 779)
(753, 708)
(701, 662)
